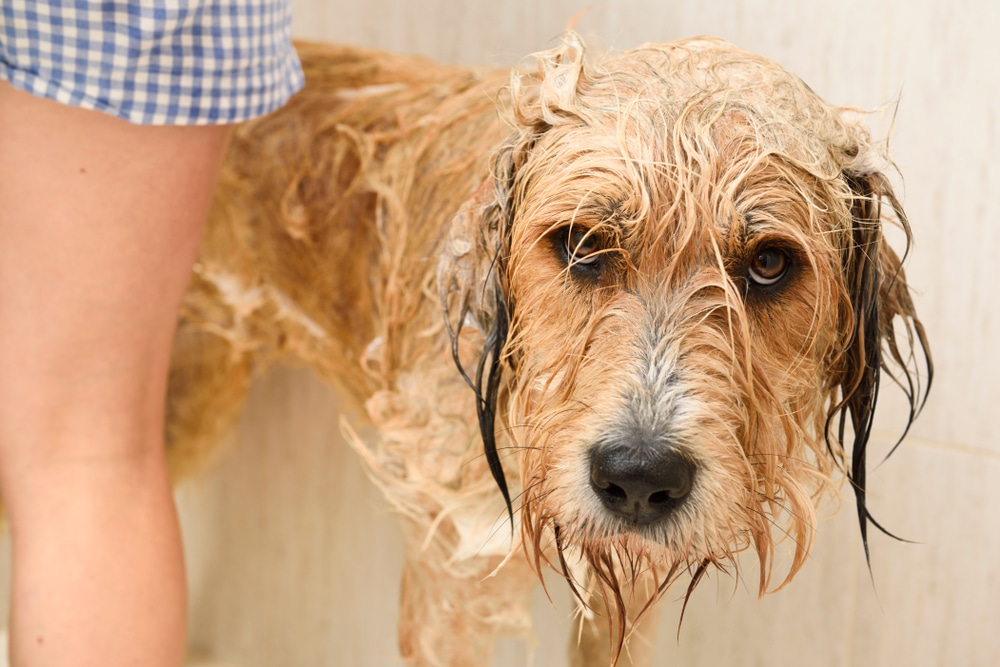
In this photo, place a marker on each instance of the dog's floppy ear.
(473, 293)
(466, 273)
(885, 334)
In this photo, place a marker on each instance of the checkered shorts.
(155, 62)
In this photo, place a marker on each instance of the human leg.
(99, 224)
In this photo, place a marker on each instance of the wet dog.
(646, 295)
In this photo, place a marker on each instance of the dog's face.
(692, 295)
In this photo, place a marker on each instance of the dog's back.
(326, 216)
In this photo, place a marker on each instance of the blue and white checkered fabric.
(155, 62)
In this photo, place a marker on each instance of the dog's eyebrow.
(613, 209)
(601, 206)
(591, 213)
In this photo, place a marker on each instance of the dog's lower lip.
(641, 524)
(634, 523)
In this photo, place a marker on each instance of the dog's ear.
(466, 273)
(473, 294)
(885, 334)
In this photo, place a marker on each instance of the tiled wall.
(294, 560)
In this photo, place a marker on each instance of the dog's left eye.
(768, 266)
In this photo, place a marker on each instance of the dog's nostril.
(660, 497)
(643, 484)
(614, 491)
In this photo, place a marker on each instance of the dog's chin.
(606, 537)
(626, 563)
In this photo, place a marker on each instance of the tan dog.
(662, 274)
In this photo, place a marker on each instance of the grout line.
(911, 441)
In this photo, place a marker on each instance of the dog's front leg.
(460, 591)
(453, 613)
(596, 644)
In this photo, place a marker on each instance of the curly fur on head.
(632, 201)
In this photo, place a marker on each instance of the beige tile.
(479, 33)
(945, 141)
(936, 602)
(294, 558)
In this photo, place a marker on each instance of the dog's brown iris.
(768, 266)
(582, 247)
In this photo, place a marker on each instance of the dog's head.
(688, 303)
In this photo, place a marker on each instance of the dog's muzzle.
(642, 483)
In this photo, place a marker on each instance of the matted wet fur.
(662, 272)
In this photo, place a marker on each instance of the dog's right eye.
(581, 248)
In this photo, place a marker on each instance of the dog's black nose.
(643, 484)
